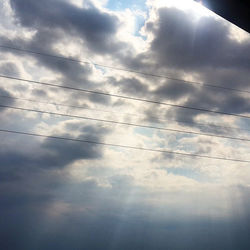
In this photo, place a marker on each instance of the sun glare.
(196, 8)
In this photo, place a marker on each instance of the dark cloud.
(9, 69)
(105, 100)
(32, 179)
(42, 207)
(204, 47)
(230, 102)
(53, 153)
(61, 153)
(70, 73)
(174, 90)
(130, 86)
(181, 41)
(231, 77)
(4, 100)
(104, 223)
(56, 154)
(94, 26)
(39, 92)
(57, 21)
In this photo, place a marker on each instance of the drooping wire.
(124, 97)
(124, 69)
(123, 146)
(126, 123)
(205, 125)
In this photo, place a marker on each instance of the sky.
(234, 11)
(70, 194)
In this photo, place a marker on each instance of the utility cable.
(126, 123)
(205, 125)
(123, 146)
(124, 69)
(124, 97)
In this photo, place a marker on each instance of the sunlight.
(186, 5)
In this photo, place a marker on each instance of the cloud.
(5, 101)
(181, 41)
(202, 49)
(59, 194)
(9, 69)
(86, 216)
(130, 86)
(94, 26)
(174, 90)
(57, 22)
(50, 154)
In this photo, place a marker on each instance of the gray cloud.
(85, 215)
(32, 178)
(94, 26)
(105, 100)
(60, 153)
(54, 153)
(3, 100)
(203, 47)
(174, 90)
(131, 86)
(106, 222)
(184, 43)
(9, 69)
(39, 92)
(55, 21)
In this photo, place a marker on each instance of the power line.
(125, 146)
(124, 97)
(126, 123)
(125, 70)
(129, 114)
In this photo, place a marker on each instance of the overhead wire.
(205, 125)
(124, 97)
(129, 98)
(124, 146)
(126, 123)
(124, 69)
